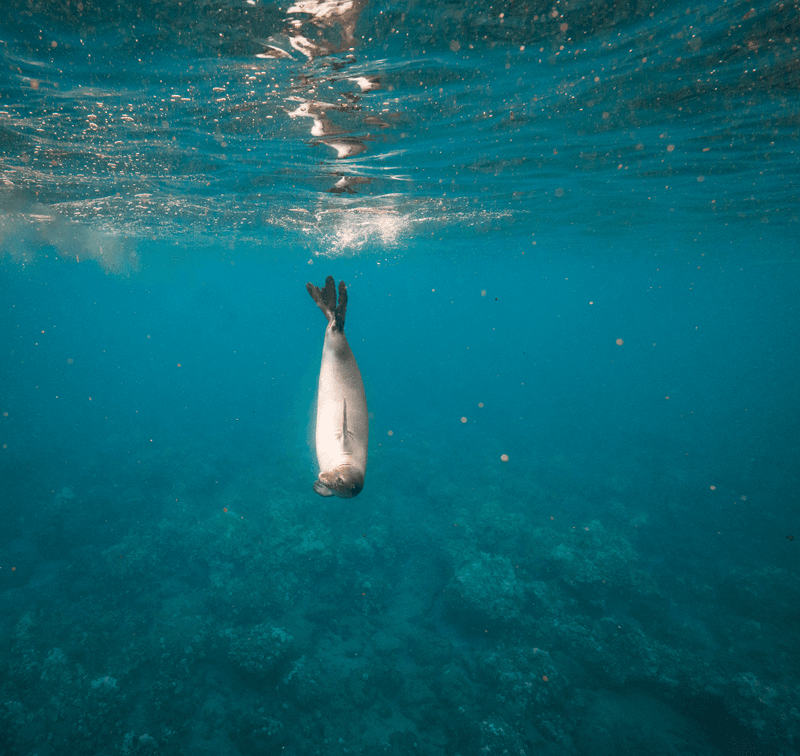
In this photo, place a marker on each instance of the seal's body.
(342, 419)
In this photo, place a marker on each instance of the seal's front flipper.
(321, 489)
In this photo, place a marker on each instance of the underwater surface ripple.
(139, 119)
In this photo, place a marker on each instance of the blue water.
(569, 235)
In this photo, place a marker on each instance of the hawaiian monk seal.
(342, 420)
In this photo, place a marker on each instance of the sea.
(569, 234)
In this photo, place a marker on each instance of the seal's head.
(344, 481)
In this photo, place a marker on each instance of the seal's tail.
(326, 301)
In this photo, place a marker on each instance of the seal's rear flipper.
(326, 301)
(342, 308)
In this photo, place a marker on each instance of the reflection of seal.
(342, 420)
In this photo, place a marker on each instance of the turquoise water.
(569, 234)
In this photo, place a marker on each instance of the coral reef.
(257, 650)
(486, 589)
(242, 631)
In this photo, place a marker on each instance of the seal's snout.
(344, 481)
